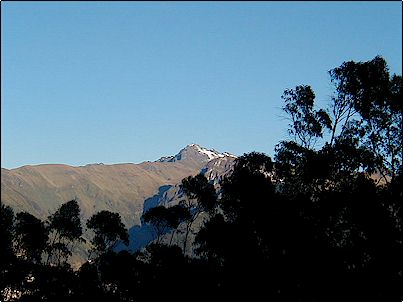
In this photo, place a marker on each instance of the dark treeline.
(321, 222)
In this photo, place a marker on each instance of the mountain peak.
(195, 152)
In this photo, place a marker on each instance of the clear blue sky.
(114, 82)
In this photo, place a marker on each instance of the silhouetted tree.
(165, 219)
(119, 276)
(311, 231)
(89, 287)
(31, 237)
(334, 184)
(201, 197)
(307, 124)
(159, 218)
(7, 257)
(6, 234)
(237, 239)
(367, 92)
(108, 229)
(177, 214)
(166, 265)
(65, 230)
(215, 241)
(243, 190)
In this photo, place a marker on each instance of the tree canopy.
(108, 229)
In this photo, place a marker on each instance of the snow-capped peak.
(211, 153)
(196, 151)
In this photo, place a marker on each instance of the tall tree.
(31, 237)
(367, 92)
(159, 218)
(334, 184)
(108, 229)
(200, 197)
(177, 214)
(236, 238)
(306, 123)
(7, 257)
(65, 231)
(6, 234)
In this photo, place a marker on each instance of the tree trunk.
(188, 226)
(172, 236)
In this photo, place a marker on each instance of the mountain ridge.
(40, 189)
(125, 188)
(178, 156)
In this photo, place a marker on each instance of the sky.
(118, 82)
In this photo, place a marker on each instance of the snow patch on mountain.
(212, 154)
(196, 152)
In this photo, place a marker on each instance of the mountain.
(123, 188)
(194, 153)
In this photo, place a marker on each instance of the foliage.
(201, 194)
(200, 197)
(31, 237)
(159, 218)
(307, 124)
(108, 229)
(165, 219)
(65, 229)
(6, 234)
(368, 90)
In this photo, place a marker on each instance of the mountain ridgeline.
(128, 189)
(121, 188)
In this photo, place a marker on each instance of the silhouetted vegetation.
(65, 229)
(322, 222)
(108, 229)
